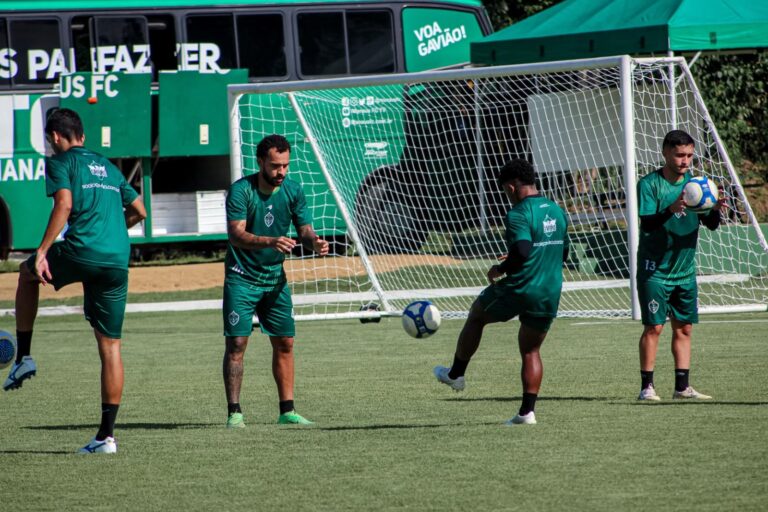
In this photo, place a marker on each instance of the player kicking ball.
(526, 284)
(92, 198)
(260, 210)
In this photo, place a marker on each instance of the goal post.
(399, 172)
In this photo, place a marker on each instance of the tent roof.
(576, 29)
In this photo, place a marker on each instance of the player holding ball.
(666, 263)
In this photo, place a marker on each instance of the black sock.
(108, 415)
(647, 378)
(233, 408)
(458, 368)
(529, 403)
(681, 379)
(23, 344)
(286, 406)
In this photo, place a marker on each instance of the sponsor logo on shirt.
(97, 170)
(550, 225)
(236, 268)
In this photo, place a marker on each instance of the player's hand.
(678, 206)
(283, 244)
(320, 246)
(722, 201)
(494, 273)
(42, 272)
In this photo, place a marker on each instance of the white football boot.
(441, 372)
(20, 372)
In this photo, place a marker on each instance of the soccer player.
(666, 263)
(526, 284)
(260, 210)
(93, 200)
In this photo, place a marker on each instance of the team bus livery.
(149, 79)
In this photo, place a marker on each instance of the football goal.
(399, 172)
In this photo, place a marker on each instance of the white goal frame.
(390, 301)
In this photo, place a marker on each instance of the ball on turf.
(421, 319)
(700, 194)
(7, 349)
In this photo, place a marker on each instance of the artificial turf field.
(387, 435)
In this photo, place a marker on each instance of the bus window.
(321, 43)
(210, 45)
(121, 44)
(5, 56)
(162, 42)
(261, 42)
(39, 57)
(371, 42)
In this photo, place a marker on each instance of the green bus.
(149, 79)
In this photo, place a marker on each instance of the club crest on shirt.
(679, 214)
(269, 219)
(653, 306)
(97, 170)
(550, 225)
(233, 318)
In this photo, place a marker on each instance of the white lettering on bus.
(8, 66)
(38, 61)
(8, 107)
(75, 86)
(22, 169)
(106, 59)
(433, 38)
(202, 57)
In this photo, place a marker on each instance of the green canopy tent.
(578, 29)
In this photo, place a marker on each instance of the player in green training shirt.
(526, 284)
(666, 263)
(260, 210)
(93, 200)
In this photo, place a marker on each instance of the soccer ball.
(7, 349)
(700, 194)
(421, 319)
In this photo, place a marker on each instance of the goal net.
(399, 172)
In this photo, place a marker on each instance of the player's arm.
(655, 221)
(62, 206)
(311, 241)
(713, 218)
(241, 238)
(512, 262)
(135, 213)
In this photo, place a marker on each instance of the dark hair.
(66, 123)
(517, 169)
(278, 142)
(677, 138)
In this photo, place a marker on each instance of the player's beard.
(275, 181)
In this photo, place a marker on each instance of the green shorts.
(503, 306)
(272, 304)
(659, 300)
(105, 289)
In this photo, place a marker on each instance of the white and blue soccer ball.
(7, 349)
(700, 194)
(421, 319)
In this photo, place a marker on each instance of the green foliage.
(387, 436)
(735, 90)
(503, 13)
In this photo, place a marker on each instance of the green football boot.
(235, 420)
(293, 418)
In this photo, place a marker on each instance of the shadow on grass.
(539, 399)
(696, 402)
(127, 426)
(37, 452)
(380, 427)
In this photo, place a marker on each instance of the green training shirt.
(264, 215)
(96, 233)
(667, 254)
(543, 223)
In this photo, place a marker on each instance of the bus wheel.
(385, 224)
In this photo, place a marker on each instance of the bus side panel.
(22, 167)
